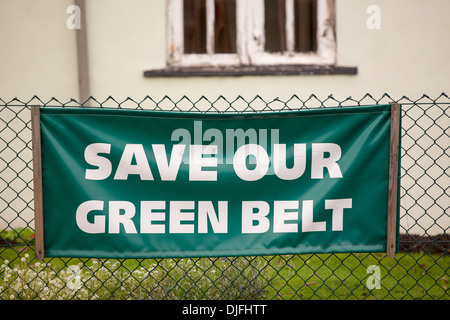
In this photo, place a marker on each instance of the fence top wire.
(222, 104)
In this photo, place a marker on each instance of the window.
(250, 33)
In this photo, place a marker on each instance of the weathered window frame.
(250, 38)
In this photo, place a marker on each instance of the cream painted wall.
(407, 56)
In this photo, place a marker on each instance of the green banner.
(146, 184)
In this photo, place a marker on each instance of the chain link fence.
(420, 271)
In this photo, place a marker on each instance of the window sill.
(237, 71)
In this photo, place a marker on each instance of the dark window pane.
(194, 26)
(275, 25)
(305, 15)
(225, 26)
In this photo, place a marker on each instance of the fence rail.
(420, 271)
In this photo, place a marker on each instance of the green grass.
(336, 276)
